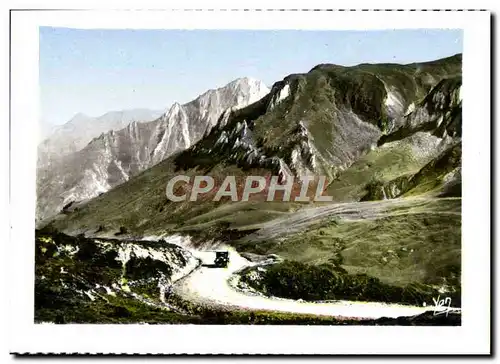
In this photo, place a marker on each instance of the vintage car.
(215, 259)
(221, 259)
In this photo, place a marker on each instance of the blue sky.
(95, 71)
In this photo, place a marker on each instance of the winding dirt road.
(212, 286)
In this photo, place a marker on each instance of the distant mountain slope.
(45, 129)
(79, 131)
(357, 125)
(115, 156)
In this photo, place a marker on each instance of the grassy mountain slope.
(415, 247)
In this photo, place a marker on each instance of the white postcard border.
(471, 337)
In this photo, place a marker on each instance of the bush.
(296, 280)
(146, 268)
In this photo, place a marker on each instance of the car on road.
(215, 259)
(221, 259)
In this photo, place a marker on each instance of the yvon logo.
(270, 188)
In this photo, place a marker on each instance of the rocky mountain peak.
(116, 154)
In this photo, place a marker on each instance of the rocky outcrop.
(78, 279)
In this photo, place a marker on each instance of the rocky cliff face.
(115, 156)
(90, 280)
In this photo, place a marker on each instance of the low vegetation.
(411, 255)
(295, 280)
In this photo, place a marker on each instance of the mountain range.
(373, 129)
(73, 172)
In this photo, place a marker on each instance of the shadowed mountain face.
(115, 156)
(366, 127)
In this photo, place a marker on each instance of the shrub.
(296, 280)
